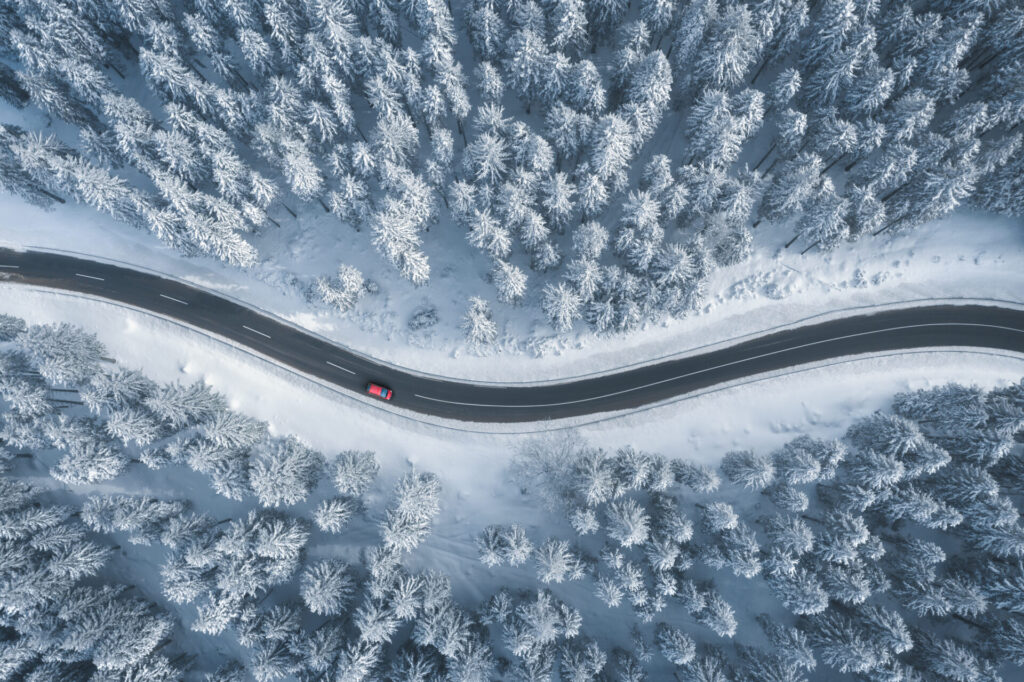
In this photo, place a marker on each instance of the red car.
(379, 391)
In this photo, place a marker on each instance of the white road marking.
(13, 267)
(343, 369)
(78, 274)
(171, 298)
(734, 362)
(254, 331)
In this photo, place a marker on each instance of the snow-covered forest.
(605, 155)
(891, 553)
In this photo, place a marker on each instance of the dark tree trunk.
(829, 166)
(766, 155)
(59, 200)
(761, 68)
(114, 69)
(893, 193)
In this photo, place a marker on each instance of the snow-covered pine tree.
(744, 468)
(89, 462)
(181, 406)
(283, 471)
(326, 587)
(354, 472)
(628, 523)
(416, 504)
(228, 429)
(563, 305)
(63, 353)
(478, 324)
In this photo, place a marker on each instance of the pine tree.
(518, 548)
(731, 44)
(867, 213)
(89, 462)
(744, 468)
(792, 188)
(1009, 640)
(700, 478)
(354, 472)
(593, 192)
(341, 292)
(229, 429)
(478, 324)
(676, 646)
(63, 354)
(133, 426)
(585, 90)
(526, 60)
(284, 471)
(556, 563)
(562, 305)
(947, 658)
(486, 158)
(824, 222)
(118, 389)
(718, 615)
(181, 406)
(887, 434)
(842, 645)
(487, 234)
(145, 519)
(11, 327)
(790, 534)
(719, 516)
(326, 587)
(510, 282)
(792, 133)
(909, 115)
(416, 504)
(628, 523)
(611, 149)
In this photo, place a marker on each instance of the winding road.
(908, 328)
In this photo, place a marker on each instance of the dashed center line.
(171, 298)
(727, 364)
(256, 331)
(78, 274)
(343, 369)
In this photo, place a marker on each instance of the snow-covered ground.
(759, 413)
(964, 256)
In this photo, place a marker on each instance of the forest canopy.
(626, 148)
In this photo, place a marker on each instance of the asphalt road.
(910, 328)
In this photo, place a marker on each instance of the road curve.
(909, 328)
